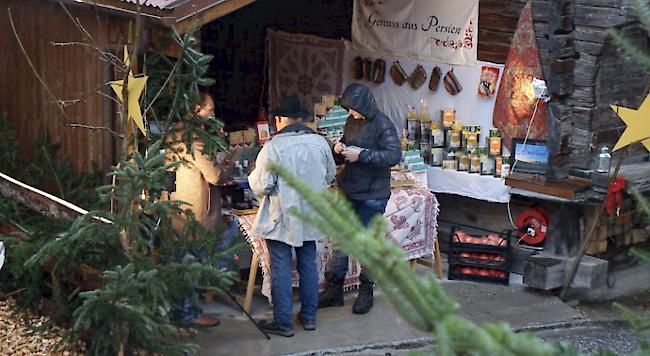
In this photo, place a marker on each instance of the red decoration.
(515, 100)
(614, 199)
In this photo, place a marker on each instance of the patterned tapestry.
(515, 100)
(304, 65)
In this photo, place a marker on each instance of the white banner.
(440, 30)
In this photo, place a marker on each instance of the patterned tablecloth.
(412, 214)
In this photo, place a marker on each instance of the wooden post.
(251, 283)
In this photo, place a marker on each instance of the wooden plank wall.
(497, 21)
(71, 72)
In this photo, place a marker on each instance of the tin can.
(471, 140)
(498, 160)
(495, 145)
(454, 138)
(474, 163)
(449, 164)
(425, 147)
(448, 117)
(437, 156)
(463, 162)
(505, 167)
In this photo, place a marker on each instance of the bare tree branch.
(97, 128)
(38, 76)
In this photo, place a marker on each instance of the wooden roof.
(181, 14)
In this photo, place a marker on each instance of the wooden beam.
(40, 201)
(196, 14)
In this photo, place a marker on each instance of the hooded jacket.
(369, 177)
(308, 156)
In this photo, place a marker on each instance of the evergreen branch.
(643, 10)
(636, 53)
(420, 301)
(644, 205)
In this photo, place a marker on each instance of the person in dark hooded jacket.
(369, 148)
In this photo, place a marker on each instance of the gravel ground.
(616, 336)
(587, 337)
(18, 337)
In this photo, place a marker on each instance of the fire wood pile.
(19, 337)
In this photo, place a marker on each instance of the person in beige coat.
(193, 179)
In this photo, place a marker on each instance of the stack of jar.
(458, 147)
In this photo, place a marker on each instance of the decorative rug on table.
(304, 65)
(412, 214)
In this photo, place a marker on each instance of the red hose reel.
(533, 225)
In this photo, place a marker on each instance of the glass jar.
(454, 138)
(437, 134)
(474, 162)
(437, 156)
(498, 160)
(463, 161)
(604, 162)
(448, 117)
(505, 167)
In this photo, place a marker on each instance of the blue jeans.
(366, 209)
(281, 292)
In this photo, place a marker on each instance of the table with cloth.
(412, 224)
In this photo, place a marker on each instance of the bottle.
(413, 126)
(604, 160)
(505, 167)
(405, 141)
(425, 123)
(498, 161)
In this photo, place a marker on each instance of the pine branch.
(636, 53)
(419, 300)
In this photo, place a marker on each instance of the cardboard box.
(236, 138)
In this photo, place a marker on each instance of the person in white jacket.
(308, 156)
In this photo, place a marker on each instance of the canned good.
(449, 164)
(495, 145)
(448, 117)
(471, 141)
(505, 167)
(454, 138)
(437, 156)
(497, 166)
(425, 147)
(487, 166)
(463, 162)
(474, 163)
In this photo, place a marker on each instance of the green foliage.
(639, 54)
(133, 309)
(173, 88)
(8, 145)
(129, 314)
(121, 310)
(420, 300)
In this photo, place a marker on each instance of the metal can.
(437, 156)
(463, 162)
(454, 138)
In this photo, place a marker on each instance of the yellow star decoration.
(638, 125)
(135, 89)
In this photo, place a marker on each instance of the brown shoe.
(203, 321)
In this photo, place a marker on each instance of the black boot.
(363, 303)
(332, 296)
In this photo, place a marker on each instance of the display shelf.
(472, 185)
